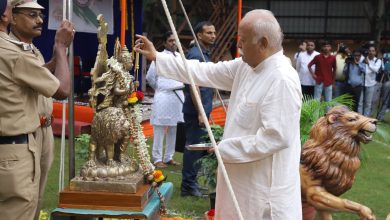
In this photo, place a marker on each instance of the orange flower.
(134, 94)
(158, 176)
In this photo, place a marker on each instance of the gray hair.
(267, 26)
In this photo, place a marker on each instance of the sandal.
(160, 165)
(173, 163)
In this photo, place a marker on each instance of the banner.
(84, 14)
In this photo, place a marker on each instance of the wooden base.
(128, 184)
(105, 200)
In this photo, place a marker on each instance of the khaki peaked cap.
(25, 4)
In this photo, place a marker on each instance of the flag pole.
(71, 101)
(123, 22)
(239, 16)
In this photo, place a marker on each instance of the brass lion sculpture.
(329, 161)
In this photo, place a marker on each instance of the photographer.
(354, 77)
(370, 66)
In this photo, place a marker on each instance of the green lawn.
(371, 187)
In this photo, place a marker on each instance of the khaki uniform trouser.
(19, 180)
(45, 142)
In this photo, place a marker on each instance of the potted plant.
(209, 164)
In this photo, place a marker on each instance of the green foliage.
(82, 146)
(313, 109)
(217, 132)
(209, 163)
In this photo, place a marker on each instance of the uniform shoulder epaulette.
(24, 46)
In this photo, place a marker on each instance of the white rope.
(200, 50)
(203, 114)
(62, 152)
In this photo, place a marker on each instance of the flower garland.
(139, 140)
(154, 177)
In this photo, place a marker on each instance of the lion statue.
(329, 161)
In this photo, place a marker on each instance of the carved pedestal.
(106, 200)
(125, 193)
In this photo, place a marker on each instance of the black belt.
(17, 139)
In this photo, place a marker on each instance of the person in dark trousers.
(354, 77)
(194, 124)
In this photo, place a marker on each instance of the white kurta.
(261, 146)
(167, 102)
(303, 71)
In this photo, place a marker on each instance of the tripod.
(383, 90)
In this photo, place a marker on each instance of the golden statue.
(114, 125)
(329, 161)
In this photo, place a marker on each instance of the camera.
(349, 58)
(364, 52)
(365, 47)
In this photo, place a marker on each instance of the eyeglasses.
(32, 14)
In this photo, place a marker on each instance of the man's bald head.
(260, 37)
(263, 24)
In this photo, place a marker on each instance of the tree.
(378, 14)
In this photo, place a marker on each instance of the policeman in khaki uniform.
(22, 78)
(26, 24)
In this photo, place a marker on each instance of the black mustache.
(40, 26)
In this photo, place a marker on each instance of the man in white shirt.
(261, 146)
(307, 81)
(370, 66)
(166, 109)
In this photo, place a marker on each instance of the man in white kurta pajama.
(261, 146)
(166, 113)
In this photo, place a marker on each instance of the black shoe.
(195, 193)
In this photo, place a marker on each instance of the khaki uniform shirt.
(45, 105)
(22, 78)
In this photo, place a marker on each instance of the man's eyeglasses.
(32, 14)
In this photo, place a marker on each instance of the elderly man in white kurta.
(261, 146)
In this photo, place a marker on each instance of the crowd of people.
(359, 72)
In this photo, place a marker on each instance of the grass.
(371, 187)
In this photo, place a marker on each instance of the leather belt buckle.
(46, 121)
